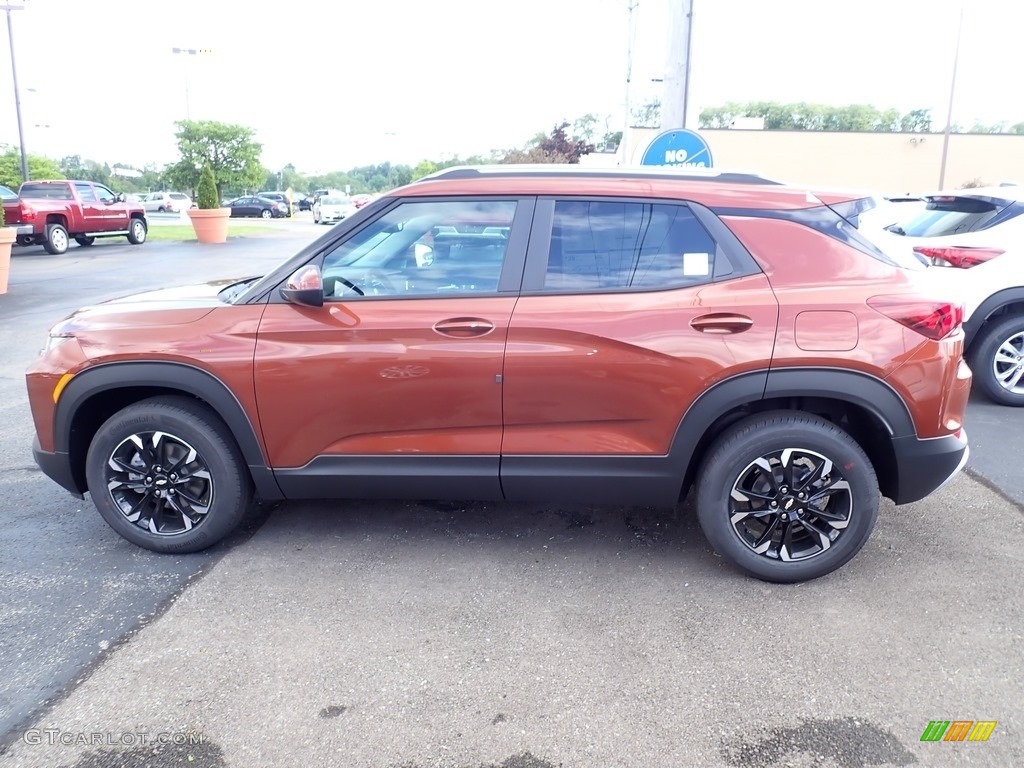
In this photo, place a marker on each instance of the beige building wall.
(887, 163)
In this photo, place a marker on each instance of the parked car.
(279, 197)
(7, 194)
(974, 240)
(329, 210)
(638, 332)
(360, 200)
(49, 213)
(167, 202)
(257, 206)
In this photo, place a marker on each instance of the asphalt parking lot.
(405, 635)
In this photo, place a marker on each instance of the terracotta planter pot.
(211, 225)
(7, 238)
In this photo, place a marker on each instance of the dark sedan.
(257, 206)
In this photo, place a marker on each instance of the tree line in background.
(803, 116)
(235, 156)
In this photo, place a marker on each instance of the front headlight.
(52, 342)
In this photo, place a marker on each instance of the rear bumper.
(57, 467)
(925, 466)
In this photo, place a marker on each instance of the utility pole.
(949, 114)
(675, 102)
(189, 52)
(17, 97)
(631, 36)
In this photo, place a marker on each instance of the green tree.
(231, 151)
(39, 167)
(804, 116)
(585, 127)
(1017, 129)
(647, 115)
(423, 168)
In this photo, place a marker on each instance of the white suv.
(167, 202)
(974, 239)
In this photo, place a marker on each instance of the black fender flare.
(985, 310)
(863, 390)
(182, 377)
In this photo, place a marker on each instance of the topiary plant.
(207, 190)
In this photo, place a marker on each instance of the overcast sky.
(328, 84)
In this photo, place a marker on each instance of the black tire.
(137, 231)
(266, 213)
(161, 209)
(214, 502)
(776, 523)
(1005, 339)
(57, 240)
(85, 241)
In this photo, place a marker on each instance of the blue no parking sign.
(680, 148)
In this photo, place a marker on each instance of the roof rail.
(618, 172)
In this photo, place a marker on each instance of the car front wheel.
(137, 231)
(787, 496)
(997, 361)
(166, 474)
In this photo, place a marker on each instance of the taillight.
(28, 213)
(932, 319)
(964, 257)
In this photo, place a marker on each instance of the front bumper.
(57, 467)
(925, 466)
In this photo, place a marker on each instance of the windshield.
(333, 201)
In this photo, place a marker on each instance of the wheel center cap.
(161, 481)
(788, 503)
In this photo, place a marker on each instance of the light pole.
(949, 114)
(631, 36)
(189, 52)
(17, 98)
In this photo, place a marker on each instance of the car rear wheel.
(787, 496)
(266, 213)
(85, 241)
(997, 361)
(57, 241)
(166, 474)
(137, 232)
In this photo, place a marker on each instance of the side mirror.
(121, 197)
(305, 287)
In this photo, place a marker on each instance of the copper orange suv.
(542, 334)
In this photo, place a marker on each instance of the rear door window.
(610, 245)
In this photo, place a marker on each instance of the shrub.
(207, 190)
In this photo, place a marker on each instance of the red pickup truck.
(50, 213)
